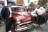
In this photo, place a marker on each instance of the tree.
(31, 4)
(42, 2)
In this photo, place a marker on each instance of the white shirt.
(10, 12)
(40, 11)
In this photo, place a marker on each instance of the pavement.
(2, 27)
(44, 28)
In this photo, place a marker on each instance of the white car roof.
(16, 6)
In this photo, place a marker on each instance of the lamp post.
(5, 2)
(28, 1)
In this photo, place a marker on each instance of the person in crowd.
(40, 14)
(25, 8)
(6, 14)
(9, 20)
(30, 9)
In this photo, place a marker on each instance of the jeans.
(8, 24)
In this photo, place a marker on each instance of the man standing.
(6, 14)
(8, 20)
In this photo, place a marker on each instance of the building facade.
(19, 2)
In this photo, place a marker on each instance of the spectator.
(6, 14)
(8, 20)
(40, 14)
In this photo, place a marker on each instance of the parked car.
(21, 20)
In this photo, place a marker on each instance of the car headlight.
(18, 21)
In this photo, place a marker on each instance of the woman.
(40, 14)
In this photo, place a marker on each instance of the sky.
(26, 2)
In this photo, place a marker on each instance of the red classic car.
(22, 20)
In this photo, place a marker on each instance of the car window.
(15, 9)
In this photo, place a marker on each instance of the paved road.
(44, 28)
(2, 27)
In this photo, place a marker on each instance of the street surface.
(2, 27)
(44, 28)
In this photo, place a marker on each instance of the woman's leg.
(38, 28)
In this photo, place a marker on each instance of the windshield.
(16, 9)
